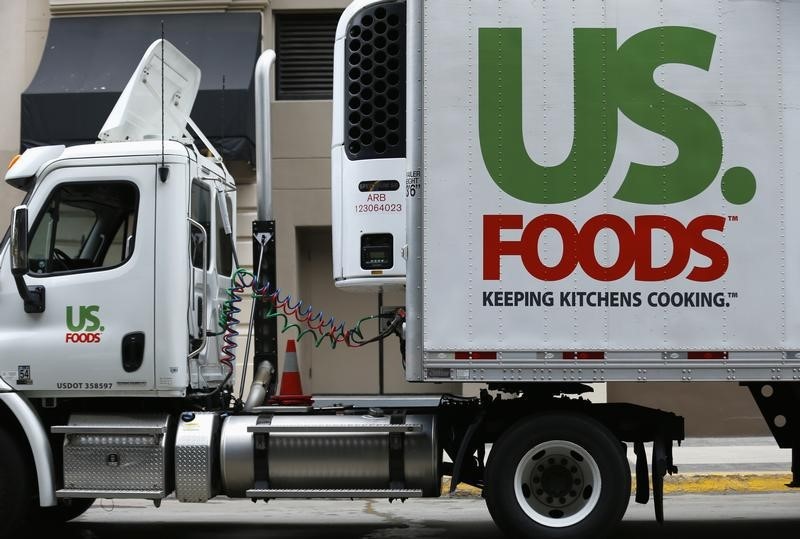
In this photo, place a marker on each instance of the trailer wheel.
(557, 476)
(16, 491)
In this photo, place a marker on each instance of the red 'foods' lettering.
(635, 247)
(87, 338)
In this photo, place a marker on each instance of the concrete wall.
(24, 30)
(710, 408)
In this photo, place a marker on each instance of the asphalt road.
(734, 516)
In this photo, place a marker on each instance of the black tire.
(17, 478)
(554, 508)
(66, 510)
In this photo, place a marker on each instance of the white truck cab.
(127, 265)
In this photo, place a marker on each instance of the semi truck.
(569, 193)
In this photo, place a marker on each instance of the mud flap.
(662, 464)
(463, 452)
(642, 474)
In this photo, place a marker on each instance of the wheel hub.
(557, 483)
(556, 480)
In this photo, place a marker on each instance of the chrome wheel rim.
(557, 483)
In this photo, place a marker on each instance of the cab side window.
(224, 247)
(84, 227)
(200, 212)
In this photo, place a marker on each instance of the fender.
(37, 440)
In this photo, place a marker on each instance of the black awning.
(88, 61)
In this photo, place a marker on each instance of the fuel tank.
(329, 452)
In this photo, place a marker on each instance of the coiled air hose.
(306, 322)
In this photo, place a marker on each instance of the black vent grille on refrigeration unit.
(304, 46)
(375, 83)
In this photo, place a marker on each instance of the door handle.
(132, 351)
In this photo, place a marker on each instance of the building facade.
(301, 134)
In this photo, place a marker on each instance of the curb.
(726, 483)
(463, 490)
(700, 483)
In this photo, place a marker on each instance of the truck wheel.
(16, 491)
(557, 476)
(66, 510)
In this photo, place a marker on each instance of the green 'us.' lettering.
(607, 78)
(88, 319)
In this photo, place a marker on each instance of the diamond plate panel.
(115, 462)
(133, 468)
(196, 447)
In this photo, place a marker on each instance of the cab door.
(223, 263)
(91, 246)
(212, 266)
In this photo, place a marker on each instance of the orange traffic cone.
(290, 380)
(291, 390)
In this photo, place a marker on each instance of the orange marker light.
(13, 161)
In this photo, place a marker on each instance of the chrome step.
(108, 494)
(344, 427)
(334, 493)
(108, 429)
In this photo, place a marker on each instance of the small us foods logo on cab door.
(83, 324)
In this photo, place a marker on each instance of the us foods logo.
(607, 79)
(83, 326)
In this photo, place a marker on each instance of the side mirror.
(32, 296)
(19, 241)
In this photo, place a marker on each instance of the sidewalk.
(728, 465)
(714, 465)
